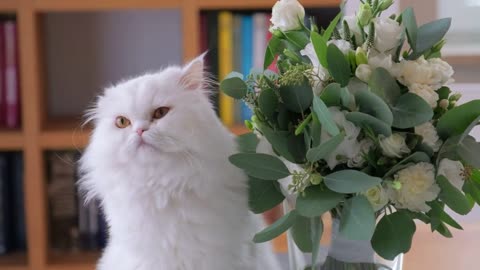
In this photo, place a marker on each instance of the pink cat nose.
(140, 131)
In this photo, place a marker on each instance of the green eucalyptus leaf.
(316, 229)
(324, 116)
(274, 48)
(393, 235)
(468, 150)
(297, 98)
(338, 65)
(358, 219)
(365, 120)
(430, 34)
(297, 148)
(317, 201)
(277, 228)
(261, 166)
(410, 111)
(268, 102)
(279, 141)
(331, 27)
(303, 234)
(416, 157)
(373, 105)
(331, 95)
(247, 142)
(457, 120)
(437, 212)
(298, 39)
(443, 230)
(320, 47)
(234, 87)
(452, 197)
(263, 195)
(325, 149)
(384, 85)
(410, 23)
(472, 188)
(316, 131)
(350, 181)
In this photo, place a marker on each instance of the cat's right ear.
(193, 77)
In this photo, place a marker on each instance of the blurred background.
(57, 55)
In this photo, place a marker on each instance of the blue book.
(247, 57)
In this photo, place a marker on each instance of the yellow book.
(225, 64)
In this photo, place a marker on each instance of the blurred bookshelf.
(44, 130)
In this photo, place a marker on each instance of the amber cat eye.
(160, 112)
(122, 122)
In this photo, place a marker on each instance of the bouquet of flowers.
(364, 111)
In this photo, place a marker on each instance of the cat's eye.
(160, 112)
(122, 122)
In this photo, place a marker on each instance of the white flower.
(363, 72)
(426, 92)
(417, 187)
(287, 15)
(354, 28)
(387, 34)
(453, 170)
(442, 72)
(318, 69)
(429, 135)
(433, 72)
(377, 196)
(394, 146)
(343, 45)
(350, 147)
(359, 159)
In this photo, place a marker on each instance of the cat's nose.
(140, 131)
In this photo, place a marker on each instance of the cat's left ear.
(193, 77)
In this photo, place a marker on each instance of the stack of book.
(75, 224)
(12, 213)
(9, 73)
(237, 41)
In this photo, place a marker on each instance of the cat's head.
(164, 113)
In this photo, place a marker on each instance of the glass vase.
(340, 254)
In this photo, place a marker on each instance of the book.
(5, 232)
(247, 54)
(18, 206)
(12, 93)
(3, 93)
(212, 55)
(259, 39)
(225, 65)
(237, 60)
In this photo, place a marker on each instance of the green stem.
(302, 125)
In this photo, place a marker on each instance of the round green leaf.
(261, 166)
(331, 95)
(367, 121)
(277, 228)
(430, 34)
(303, 232)
(296, 98)
(268, 102)
(234, 87)
(350, 181)
(263, 195)
(247, 142)
(393, 235)
(384, 85)
(358, 219)
(452, 197)
(338, 65)
(456, 121)
(410, 111)
(317, 201)
(323, 150)
(373, 105)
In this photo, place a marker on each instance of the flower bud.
(361, 56)
(455, 97)
(315, 179)
(396, 185)
(444, 103)
(365, 14)
(385, 4)
(249, 124)
(363, 72)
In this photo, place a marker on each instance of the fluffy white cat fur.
(172, 199)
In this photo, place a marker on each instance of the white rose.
(318, 69)
(359, 159)
(377, 196)
(442, 72)
(417, 187)
(394, 146)
(376, 60)
(354, 28)
(387, 34)
(343, 45)
(418, 71)
(453, 170)
(350, 147)
(429, 135)
(426, 92)
(287, 15)
(363, 72)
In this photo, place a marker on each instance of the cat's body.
(172, 199)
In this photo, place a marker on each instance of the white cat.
(158, 162)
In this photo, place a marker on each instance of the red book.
(273, 66)
(3, 94)
(11, 75)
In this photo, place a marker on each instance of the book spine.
(225, 65)
(3, 104)
(259, 39)
(11, 75)
(20, 241)
(3, 206)
(237, 61)
(212, 56)
(247, 55)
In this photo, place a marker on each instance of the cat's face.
(152, 115)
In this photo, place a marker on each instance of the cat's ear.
(193, 77)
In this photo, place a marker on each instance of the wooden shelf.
(14, 261)
(97, 5)
(11, 140)
(73, 261)
(260, 4)
(64, 134)
(8, 5)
